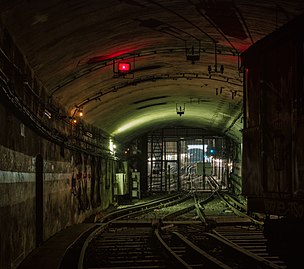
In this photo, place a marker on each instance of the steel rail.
(119, 214)
(239, 209)
(178, 260)
(215, 263)
(149, 204)
(262, 262)
(240, 213)
(230, 204)
(196, 204)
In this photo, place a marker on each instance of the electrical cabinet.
(120, 186)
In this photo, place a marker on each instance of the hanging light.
(179, 110)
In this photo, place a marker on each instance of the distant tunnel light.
(124, 67)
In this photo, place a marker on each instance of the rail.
(129, 211)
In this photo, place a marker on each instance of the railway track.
(75, 254)
(251, 240)
(177, 232)
(215, 250)
(124, 247)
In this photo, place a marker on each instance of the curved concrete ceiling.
(74, 48)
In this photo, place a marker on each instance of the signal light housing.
(124, 67)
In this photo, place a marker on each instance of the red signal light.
(124, 67)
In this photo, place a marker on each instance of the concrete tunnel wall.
(75, 186)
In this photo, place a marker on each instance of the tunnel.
(104, 102)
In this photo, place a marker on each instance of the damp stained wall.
(74, 187)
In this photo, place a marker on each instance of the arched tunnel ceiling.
(74, 47)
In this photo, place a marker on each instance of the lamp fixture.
(215, 69)
(215, 64)
(80, 112)
(180, 110)
(48, 114)
(193, 54)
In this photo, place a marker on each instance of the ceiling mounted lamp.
(180, 110)
(193, 53)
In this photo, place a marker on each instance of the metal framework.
(184, 160)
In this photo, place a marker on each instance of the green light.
(145, 119)
(129, 125)
(159, 117)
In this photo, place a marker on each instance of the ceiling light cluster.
(78, 113)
